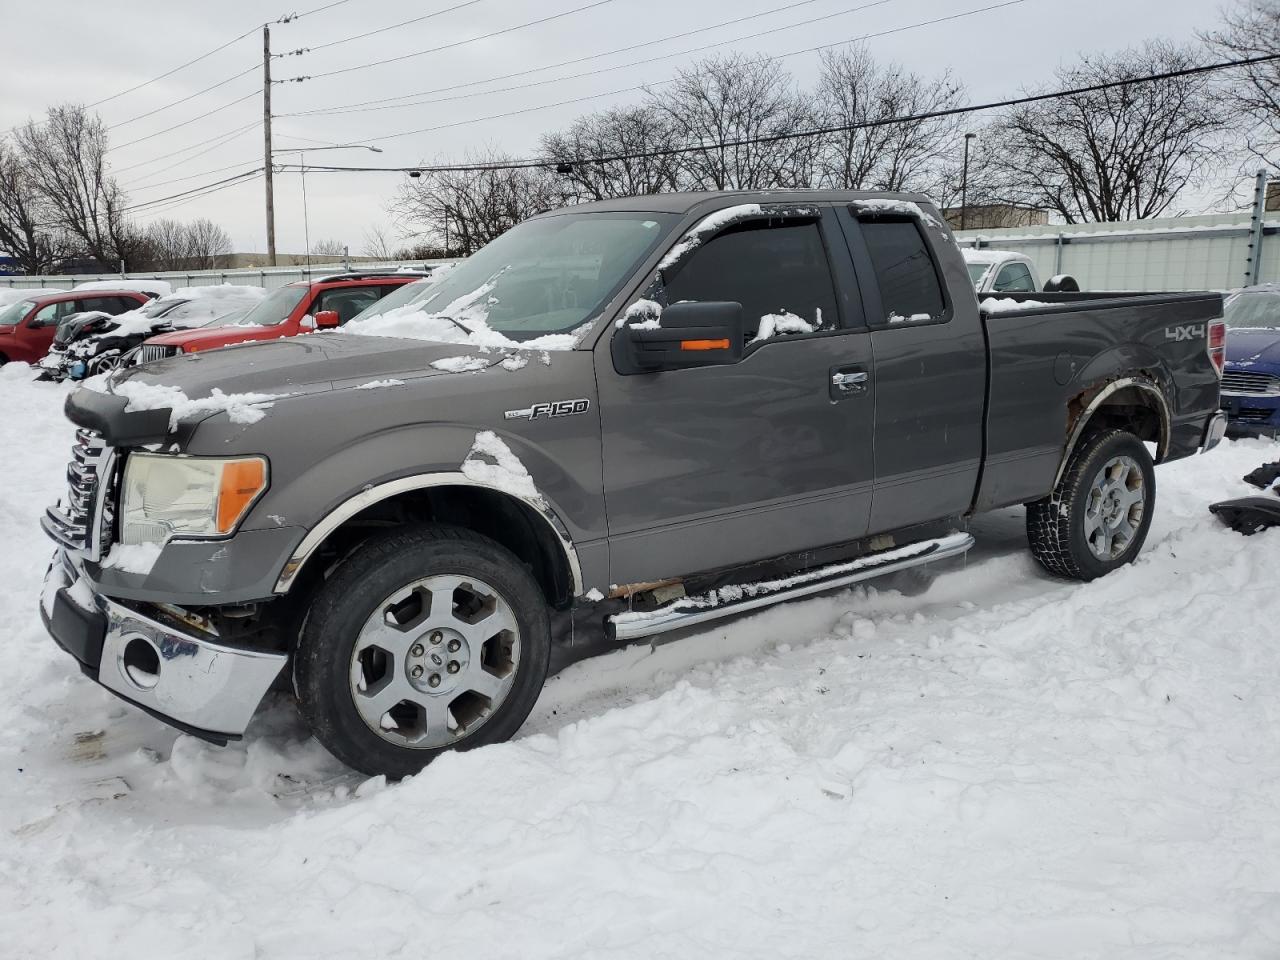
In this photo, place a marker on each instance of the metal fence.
(1181, 253)
(267, 277)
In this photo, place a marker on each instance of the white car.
(1001, 271)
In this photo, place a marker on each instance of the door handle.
(849, 381)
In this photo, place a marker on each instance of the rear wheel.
(430, 640)
(1098, 515)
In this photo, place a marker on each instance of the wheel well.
(1134, 404)
(491, 513)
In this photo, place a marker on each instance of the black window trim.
(877, 319)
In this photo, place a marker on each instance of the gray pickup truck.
(616, 420)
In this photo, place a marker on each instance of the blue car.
(1251, 378)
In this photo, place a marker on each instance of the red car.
(298, 307)
(27, 327)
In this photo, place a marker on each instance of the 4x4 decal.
(556, 408)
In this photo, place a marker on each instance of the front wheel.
(1098, 515)
(424, 641)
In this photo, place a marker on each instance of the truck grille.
(1243, 384)
(82, 520)
(151, 351)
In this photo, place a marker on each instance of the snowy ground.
(999, 766)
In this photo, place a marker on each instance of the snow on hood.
(1248, 347)
(239, 407)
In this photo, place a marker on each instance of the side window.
(46, 316)
(105, 304)
(1015, 278)
(910, 290)
(347, 302)
(775, 272)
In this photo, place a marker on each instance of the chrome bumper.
(1214, 431)
(192, 682)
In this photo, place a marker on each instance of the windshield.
(158, 308)
(977, 271)
(275, 307)
(12, 315)
(546, 276)
(396, 298)
(1244, 310)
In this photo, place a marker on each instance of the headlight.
(169, 496)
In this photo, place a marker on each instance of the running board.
(727, 601)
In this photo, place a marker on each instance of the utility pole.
(1253, 274)
(266, 144)
(964, 182)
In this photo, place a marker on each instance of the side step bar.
(727, 601)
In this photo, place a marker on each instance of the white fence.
(1179, 253)
(266, 277)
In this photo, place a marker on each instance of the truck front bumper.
(1214, 431)
(186, 679)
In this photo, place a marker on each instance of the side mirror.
(690, 334)
(1062, 283)
(327, 318)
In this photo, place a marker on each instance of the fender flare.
(383, 491)
(1144, 384)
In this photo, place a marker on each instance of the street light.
(964, 181)
(302, 169)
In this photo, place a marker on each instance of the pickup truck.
(614, 421)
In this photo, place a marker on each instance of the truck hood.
(1253, 346)
(210, 338)
(306, 364)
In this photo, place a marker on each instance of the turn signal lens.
(705, 344)
(242, 481)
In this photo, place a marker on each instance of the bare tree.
(1123, 153)
(605, 151)
(208, 245)
(66, 158)
(377, 244)
(1252, 29)
(173, 245)
(464, 210)
(328, 248)
(727, 99)
(26, 228)
(856, 91)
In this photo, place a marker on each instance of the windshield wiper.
(457, 323)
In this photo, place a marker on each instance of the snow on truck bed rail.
(994, 764)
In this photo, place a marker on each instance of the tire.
(1098, 515)
(450, 679)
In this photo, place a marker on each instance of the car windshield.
(275, 307)
(158, 308)
(977, 271)
(11, 315)
(546, 276)
(396, 298)
(1245, 310)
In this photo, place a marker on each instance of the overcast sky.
(75, 50)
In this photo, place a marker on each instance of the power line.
(394, 26)
(369, 104)
(191, 96)
(290, 17)
(453, 44)
(174, 204)
(610, 93)
(796, 135)
(191, 176)
(226, 181)
(176, 126)
(224, 137)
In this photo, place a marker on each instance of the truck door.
(931, 364)
(716, 466)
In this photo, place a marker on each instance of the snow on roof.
(10, 295)
(158, 287)
(987, 255)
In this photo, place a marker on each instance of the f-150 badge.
(556, 408)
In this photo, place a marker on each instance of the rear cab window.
(778, 271)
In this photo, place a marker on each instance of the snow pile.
(242, 408)
(516, 361)
(16, 370)
(1001, 305)
(772, 324)
(411, 322)
(506, 472)
(989, 763)
(133, 557)
(643, 315)
(914, 318)
(158, 287)
(460, 364)
(377, 384)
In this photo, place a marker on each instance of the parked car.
(614, 421)
(27, 327)
(1003, 271)
(299, 307)
(91, 343)
(1251, 380)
